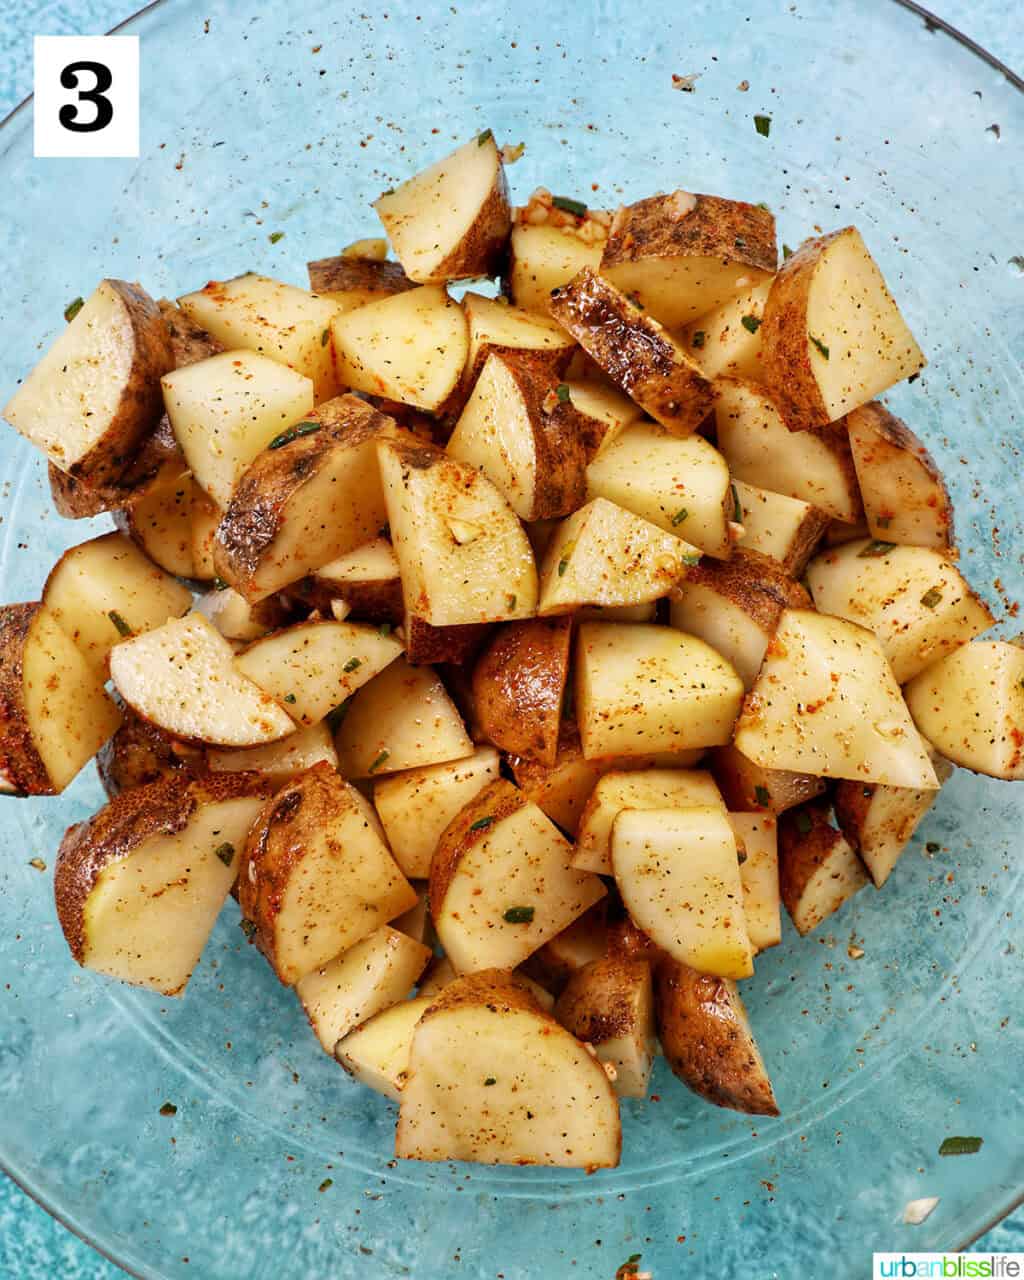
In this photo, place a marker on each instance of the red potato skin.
(595, 1005)
(519, 685)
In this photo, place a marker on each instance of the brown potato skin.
(334, 275)
(754, 583)
(561, 481)
(705, 1044)
(633, 350)
(190, 343)
(519, 685)
(19, 759)
(629, 943)
(497, 801)
(379, 601)
(483, 249)
(488, 986)
(737, 778)
(160, 808)
(802, 853)
(140, 753)
(457, 644)
(596, 1005)
(813, 529)
(716, 228)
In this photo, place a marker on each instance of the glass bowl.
(255, 122)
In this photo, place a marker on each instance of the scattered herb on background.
(327, 1182)
(932, 846)
(957, 1146)
(763, 124)
(568, 205)
(275, 236)
(483, 138)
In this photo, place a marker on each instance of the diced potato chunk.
(818, 870)
(757, 835)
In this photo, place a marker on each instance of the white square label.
(86, 96)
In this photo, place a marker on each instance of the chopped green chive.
(353, 664)
(325, 337)
(820, 345)
(381, 759)
(932, 846)
(562, 566)
(510, 601)
(931, 597)
(518, 915)
(219, 584)
(803, 823)
(248, 928)
(787, 252)
(275, 236)
(562, 391)
(763, 124)
(883, 522)
(335, 717)
(957, 1146)
(737, 509)
(762, 797)
(576, 207)
(384, 629)
(875, 548)
(168, 1109)
(691, 558)
(482, 824)
(73, 308)
(327, 1182)
(490, 1080)
(482, 139)
(289, 697)
(294, 433)
(679, 516)
(750, 323)
(698, 339)
(123, 629)
(226, 852)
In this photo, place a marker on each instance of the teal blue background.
(32, 1245)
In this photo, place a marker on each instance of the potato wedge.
(312, 495)
(748, 787)
(160, 522)
(236, 619)
(402, 719)
(416, 922)
(373, 975)
(682, 486)
(205, 516)
(501, 884)
(818, 870)
(586, 939)
(826, 702)
(905, 498)
(377, 1053)
(727, 340)
(416, 806)
(367, 579)
(756, 441)
(140, 752)
(550, 1102)
(54, 712)
(734, 605)
(679, 876)
(604, 555)
(970, 707)
(682, 255)
(832, 337)
(915, 601)
(647, 688)
(350, 282)
(279, 762)
(427, 644)
(160, 673)
(598, 413)
(786, 529)
(256, 313)
(463, 554)
(316, 876)
(139, 886)
(227, 409)
(519, 685)
(105, 589)
(757, 836)
(76, 500)
(636, 789)
(511, 430)
(528, 340)
(634, 350)
(708, 1041)
(95, 395)
(545, 257)
(609, 1004)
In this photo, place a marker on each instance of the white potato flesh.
(161, 521)
(182, 677)
(970, 707)
(463, 554)
(492, 323)
(231, 614)
(760, 449)
(227, 409)
(415, 807)
(543, 258)
(676, 290)
(416, 922)
(410, 347)
(256, 313)
(643, 688)
(680, 485)
(637, 789)
(148, 916)
(787, 529)
(205, 516)
(611, 1008)
(757, 835)
(402, 719)
(679, 876)
(826, 703)
(312, 667)
(721, 342)
(838, 875)
(368, 978)
(586, 939)
(888, 819)
(279, 761)
(101, 590)
(609, 410)
(374, 561)
(377, 1053)
(700, 610)
(605, 555)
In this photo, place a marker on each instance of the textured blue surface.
(32, 1245)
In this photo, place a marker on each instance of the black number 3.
(69, 113)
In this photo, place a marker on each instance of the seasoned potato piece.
(636, 789)
(826, 702)
(501, 884)
(679, 876)
(255, 313)
(140, 752)
(402, 719)
(528, 340)
(236, 619)
(367, 580)
(839, 532)
(377, 1053)
(427, 644)
(416, 922)
(787, 529)
(139, 886)
(54, 712)
(586, 939)
(832, 337)
(915, 601)
(970, 707)
(728, 339)
(312, 667)
(316, 876)
(543, 258)
(905, 498)
(598, 413)
(682, 255)
(190, 341)
(511, 430)
(463, 554)
(605, 555)
(349, 282)
(746, 786)
(95, 395)
(416, 806)
(735, 605)
(368, 978)
(757, 836)
(818, 871)
(755, 439)
(518, 686)
(708, 1041)
(160, 522)
(634, 350)
(609, 1004)
(159, 673)
(682, 486)
(495, 1079)
(227, 409)
(646, 688)
(441, 974)
(205, 516)
(282, 761)
(105, 589)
